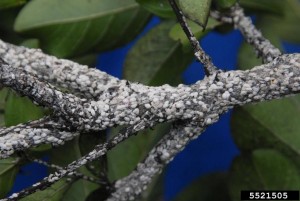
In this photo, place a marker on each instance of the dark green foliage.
(224, 4)
(212, 187)
(98, 194)
(160, 8)
(267, 133)
(160, 57)
(72, 151)
(54, 193)
(264, 169)
(8, 171)
(73, 27)
(197, 11)
(19, 110)
(4, 4)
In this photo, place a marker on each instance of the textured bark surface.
(95, 101)
(263, 47)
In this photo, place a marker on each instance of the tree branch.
(199, 53)
(267, 76)
(34, 133)
(79, 79)
(207, 98)
(131, 187)
(126, 105)
(75, 174)
(98, 151)
(254, 37)
(105, 101)
(162, 103)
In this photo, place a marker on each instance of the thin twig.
(199, 53)
(201, 102)
(161, 104)
(138, 180)
(33, 133)
(97, 152)
(263, 47)
(119, 103)
(57, 167)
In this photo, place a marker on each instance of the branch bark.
(31, 134)
(201, 104)
(254, 37)
(134, 184)
(78, 79)
(201, 56)
(97, 101)
(126, 104)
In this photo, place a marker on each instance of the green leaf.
(286, 27)
(40, 150)
(8, 170)
(247, 58)
(136, 148)
(243, 176)
(176, 32)
(52, 193)
(3, 96)
(212, 187)
(276, 171)
(20, 109)
(155, 57)
(224, 4)
(88, 59)
(72, 27)
(160, 8)
(263, 170)
(80, 189)
(31, 43)
(195, 10)
(269, 125)
(11, 3)
(7, 32)
(276, 7)
(155, 191)
(98, 194)
(252, 126)
(87, 142)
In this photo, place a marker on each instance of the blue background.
(212, 151)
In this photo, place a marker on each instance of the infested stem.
(199, 53)
(97, 101)
(212, 96)
(78, 79)
(138, 180)
(75, 174)
(97, 152)
(133, 103)
(23, 136)
(252, 35)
